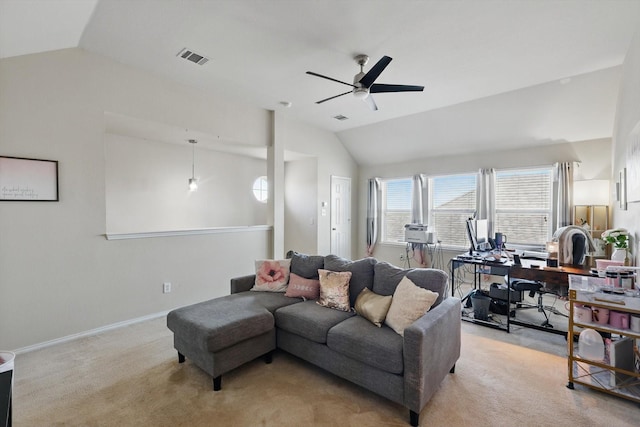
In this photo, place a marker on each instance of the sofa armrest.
(431, 348)
(243, 283)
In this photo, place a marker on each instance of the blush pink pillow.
(299, 287)
(272, 275)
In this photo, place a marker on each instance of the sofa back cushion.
(306, 266)
(388, 276)
(361, 273)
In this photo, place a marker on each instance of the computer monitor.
(478, 234)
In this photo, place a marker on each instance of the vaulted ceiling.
(499, 72)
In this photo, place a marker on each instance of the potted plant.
(619, 238)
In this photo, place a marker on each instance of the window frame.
(384, 210)
(466, 212)
(549, 212)
(260, 188)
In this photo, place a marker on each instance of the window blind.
(523, 205)
(396, 208)
(452, 201)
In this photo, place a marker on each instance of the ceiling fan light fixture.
(361, 92)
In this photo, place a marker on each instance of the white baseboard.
(89, 332)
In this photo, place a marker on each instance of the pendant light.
(193, 182)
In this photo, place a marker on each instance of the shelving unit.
(597, 218)
(598, 375)
(595, 215)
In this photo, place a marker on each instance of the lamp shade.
(594, 192)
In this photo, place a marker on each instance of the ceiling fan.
(363, 84)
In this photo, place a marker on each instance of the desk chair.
(533, 288)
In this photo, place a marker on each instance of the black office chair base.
(533, 288)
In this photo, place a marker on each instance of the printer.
(419, 233)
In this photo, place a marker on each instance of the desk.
(482, 267)
(557, 276)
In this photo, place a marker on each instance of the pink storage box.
(602, 264)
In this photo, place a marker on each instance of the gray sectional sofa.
(223, 333)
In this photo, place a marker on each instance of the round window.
(261, 189)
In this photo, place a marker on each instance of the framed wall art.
(28, 180)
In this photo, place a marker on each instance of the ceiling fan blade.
(328, 99)
(328, 78)
(371, 102)
(380, 88)
(375, 71)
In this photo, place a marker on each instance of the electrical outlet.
(402, 257)
(166, 287)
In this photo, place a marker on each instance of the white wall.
(301, 205)
(627, 117)
(593, 155)
(146, 187)
(333, 159)
(58, 274)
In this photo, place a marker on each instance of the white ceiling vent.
(190, 55)
(340, 117)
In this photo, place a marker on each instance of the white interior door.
(341, 216)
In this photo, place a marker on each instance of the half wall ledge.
(191, 232)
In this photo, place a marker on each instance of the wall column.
(275, 177)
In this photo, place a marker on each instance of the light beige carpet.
(131, 377)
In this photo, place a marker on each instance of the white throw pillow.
(410, 302)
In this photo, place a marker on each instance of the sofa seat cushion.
(309, 320)
(361, 340)
(269, 300)
(220, 323)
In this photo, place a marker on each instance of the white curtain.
(417, 214)
(486, 197)
(563, 177)
(372, 214)
(417, 199)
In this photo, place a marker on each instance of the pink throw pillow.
(272, 275)
(299, 287)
